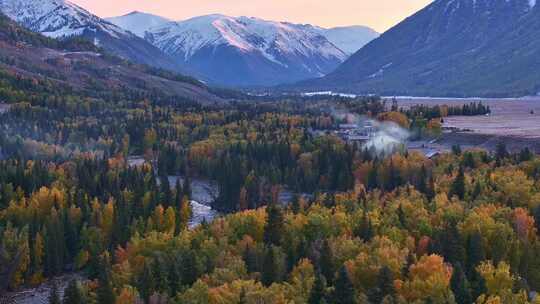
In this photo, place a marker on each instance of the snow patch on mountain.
(56, 18)
(137, 22)
(349, 38)
(272, 39)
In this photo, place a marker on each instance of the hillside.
(77, 65)
(62, 19)
(450, 48)
(349, 39)
(246, 51)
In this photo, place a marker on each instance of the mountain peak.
(450, 48)
(138, 22)
(63, 19)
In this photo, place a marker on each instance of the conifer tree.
(295, 204)
(318, 292)
(344, 292)
(166, 196)
(365, 229)
(327, 262)
(105, 292)
(187, 186)
(536, 215)
(385, 285)
(475, 252)
(146, 284)
(460, 286)
(458, 186)
(273, 266)
(179, 193)
(372, 179)
(273, 230)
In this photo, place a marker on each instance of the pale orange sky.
(378, 14)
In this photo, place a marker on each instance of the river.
(203, 194)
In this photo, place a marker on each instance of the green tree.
(273, 230)
(460, 286)
(318, 292)
(273, 266)
(105, 291)
(344, 292)
(146, 284)
(327, 262)
(385, 285)
(458, 186)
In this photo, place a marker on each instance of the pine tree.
(295, 204)
(475, 252)
(72, 294)
(477, 190)
(273, 266)
(179, 193)
(430, 190)
(458, 186)
(452, 245)
(190, 270)
(105, 292)
(187, 186)
(273, 230)
(318, 292)
(460, 286)
(146, 284)
(344, 292)
(166, 193)
(536, 214)
(327, 262)
(365, 229)
(475, 255)
(423, 180)
(385, 285)
(372, 179)
(54, 297)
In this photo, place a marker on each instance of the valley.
(209, 160)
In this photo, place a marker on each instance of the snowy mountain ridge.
(138, 22)
(247, 51)
(270, 38)
(63, 19)
(56, 18)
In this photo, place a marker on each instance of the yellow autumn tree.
(428, 278)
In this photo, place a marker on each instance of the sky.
(377, 14)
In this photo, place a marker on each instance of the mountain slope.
(73, 65)
(241, 51)
(138, 22)
(61, 19)
(247, 51)
(450, 48)
(349, 39)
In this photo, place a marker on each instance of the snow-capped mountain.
(138, 22)
(247, 51)
(63, 19)
(240, 51)
(349, 38)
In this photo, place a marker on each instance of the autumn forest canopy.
(358, 226)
